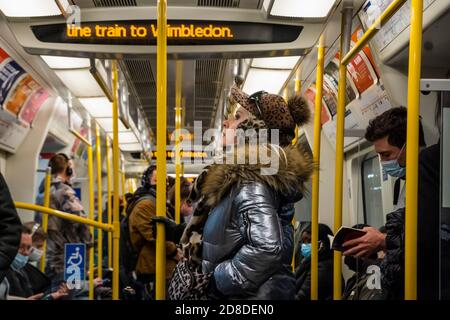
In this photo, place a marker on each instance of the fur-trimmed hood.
(295, 167)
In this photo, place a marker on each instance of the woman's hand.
(36, 297)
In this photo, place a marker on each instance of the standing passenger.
(248, 236)
(61, 231)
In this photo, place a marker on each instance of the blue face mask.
(393, 168)
(305, 250)
(19, 262)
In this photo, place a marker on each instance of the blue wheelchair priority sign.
(74, 264)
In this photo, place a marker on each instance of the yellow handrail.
(116, 223)
(178, 81)
(63, 215)
(315, 178)
(108, 186)
(412, 150)
(91, 216)
(339, 171)
(79, 136)
(373, 29)
(99, 201)
(48, 183)
(161, 109)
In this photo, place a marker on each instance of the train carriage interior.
(121, 85)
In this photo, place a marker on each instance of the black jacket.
(27, 282)
(392, 266)
(325, 277)
(428, 224)
(248, 236)
(10, 229)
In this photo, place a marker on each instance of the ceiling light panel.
(107, 124)
(29, 8)
(275, 62)
(98, 107)
(56, 62)
(80, 82)
(300, 8)
(265, 79)
(126, 137)
(130, 147)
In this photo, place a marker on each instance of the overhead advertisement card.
(20, 99)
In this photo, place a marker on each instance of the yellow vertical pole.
(161, 123)
(298, 83)
(412, 150)
(99, 201)
(108, 186)
(178, 82)
(116, 223)
(346, 25)
(123, 187)
(91, 216)
(315, 178)
(48, 184)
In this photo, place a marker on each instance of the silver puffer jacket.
(248, 236)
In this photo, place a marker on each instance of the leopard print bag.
(188, 282)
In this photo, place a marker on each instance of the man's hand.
(36, 297)
(62, 292)
(365, 246)
(173, 230)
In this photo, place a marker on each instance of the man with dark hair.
(387, 132)
(60, 232)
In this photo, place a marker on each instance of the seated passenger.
(61, 231)
(26, 281)
(325, 266)
(246, 210)
(38, 239)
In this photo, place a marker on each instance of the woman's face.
(230, 125)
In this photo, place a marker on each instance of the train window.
(371, 192)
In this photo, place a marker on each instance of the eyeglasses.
(256, 98)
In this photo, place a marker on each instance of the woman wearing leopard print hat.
(245, 216)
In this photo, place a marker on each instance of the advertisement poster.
(24, 89)
(20, 99)
(372, 9)
(361, 72)
(310, 95)
(331, 71)
(355, 38)
(10, 72)
(33, 105)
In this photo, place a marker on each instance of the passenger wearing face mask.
(387, 132)
(60, 231)
(26, 281)
(325, 267)
(39, 236)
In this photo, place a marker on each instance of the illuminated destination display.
(178, 33)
